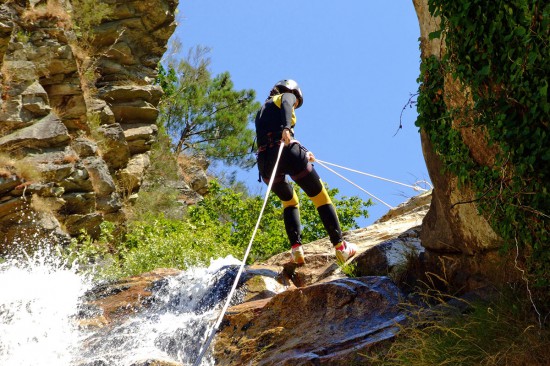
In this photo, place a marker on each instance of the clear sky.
(356, 62)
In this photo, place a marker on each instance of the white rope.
(349, 181)
(415, 187)
(239, 273)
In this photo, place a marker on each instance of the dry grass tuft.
(502, 331)
(23, 169)
(52, 10)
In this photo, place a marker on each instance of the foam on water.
(40, 298)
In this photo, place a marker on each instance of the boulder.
(84, 147)
(113, 146)
(75, 224)
(131, 177)
(135, 112)
(101, 179)
(35, 100)
(111, 204)
(329, 323)
(391, 257)
(140, 137)
(47, 132)
(114, 302)
(126, 93)
(78, 203)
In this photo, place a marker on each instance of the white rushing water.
(40, 299)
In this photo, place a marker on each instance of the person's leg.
(291, 213)
(314, 188)
(316, 191)
(283, 189)
(291, 217)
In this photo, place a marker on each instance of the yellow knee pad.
(321, 199)
(293, 202)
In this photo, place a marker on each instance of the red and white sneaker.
(345, 251)
(297, 253)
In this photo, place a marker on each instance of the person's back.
(276, 114)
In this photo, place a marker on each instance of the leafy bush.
(220, 225)
(166, 243)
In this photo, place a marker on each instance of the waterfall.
(40, 298)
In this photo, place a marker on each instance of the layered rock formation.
(77, 114)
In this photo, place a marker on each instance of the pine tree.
(206, 114)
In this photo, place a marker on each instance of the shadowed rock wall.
(461, 247)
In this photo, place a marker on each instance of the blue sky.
(356, 62)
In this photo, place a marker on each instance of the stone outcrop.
(326, 324)
(78, 113)
(325, 318)
(288, 315)
(461, 247)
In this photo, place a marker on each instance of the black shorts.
(293, 162)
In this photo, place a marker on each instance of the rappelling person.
(275, 125)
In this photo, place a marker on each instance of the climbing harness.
(241, 268)
(325, 165)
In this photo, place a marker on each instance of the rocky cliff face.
(77, 111)
(460, 244)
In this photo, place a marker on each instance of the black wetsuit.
(277, 114)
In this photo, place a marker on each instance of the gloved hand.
(287, 137)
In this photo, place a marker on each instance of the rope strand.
(241, 268)
(349, 181)
(415, 187)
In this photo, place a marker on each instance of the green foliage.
(499, 52)
(86, 15)
(92, 254)
(159, 242)
(22, 36)
(233, 215)
(349, 269)
(205, 113)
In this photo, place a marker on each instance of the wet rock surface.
(282, 314)
(329, 323)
